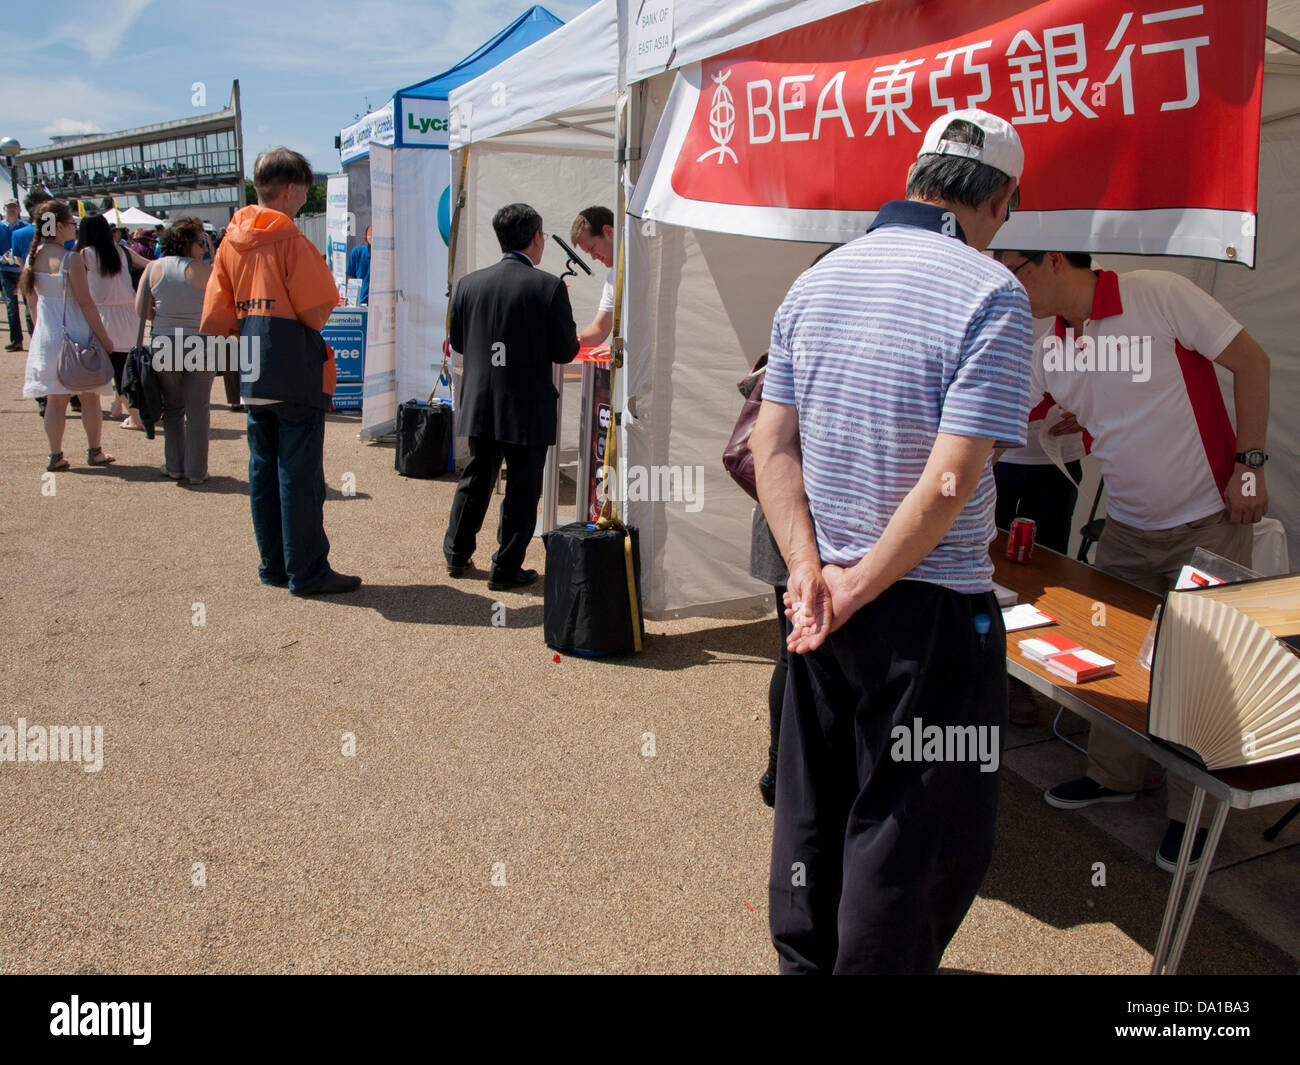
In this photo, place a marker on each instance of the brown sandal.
(57, 462)
(103, 459)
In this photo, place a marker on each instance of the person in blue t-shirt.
(11, 269)
(359, 266)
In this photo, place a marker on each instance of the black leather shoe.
(463, 569)
(331, 584)
(767, 786)
(279, 582)
(502, 582)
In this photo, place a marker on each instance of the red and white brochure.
(1080, 666)
(1049, 645)
(1191, 577)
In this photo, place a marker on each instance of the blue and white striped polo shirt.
(898, 336)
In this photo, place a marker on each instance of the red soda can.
(1020, 540)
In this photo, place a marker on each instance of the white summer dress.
(47, 338)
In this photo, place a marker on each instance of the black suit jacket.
(521, 316)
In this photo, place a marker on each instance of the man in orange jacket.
(272, 289)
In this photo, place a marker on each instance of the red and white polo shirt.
(1140, 378)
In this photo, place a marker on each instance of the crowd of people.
(176, 169)
(900, 422)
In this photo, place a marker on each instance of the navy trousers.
(9, 283)
(286, 489)
(876, 859)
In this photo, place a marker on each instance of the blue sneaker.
(1167, 854)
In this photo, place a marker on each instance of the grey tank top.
(179, 304)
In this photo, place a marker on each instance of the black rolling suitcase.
(423, 438)
(588, 607)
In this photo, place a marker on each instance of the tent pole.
(1285, 40)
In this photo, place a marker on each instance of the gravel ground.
(498, 813)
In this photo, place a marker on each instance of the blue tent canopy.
(531, 26)
(416, 116)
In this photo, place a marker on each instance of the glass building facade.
(193, 162)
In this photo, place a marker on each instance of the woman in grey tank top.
(171, 295)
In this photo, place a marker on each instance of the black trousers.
(875, 857)
(524, 463)
(776, 686)
(1043, 493)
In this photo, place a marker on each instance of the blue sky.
(103, 65)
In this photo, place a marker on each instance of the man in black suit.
(510, 322)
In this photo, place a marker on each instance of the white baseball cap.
(1002, 149)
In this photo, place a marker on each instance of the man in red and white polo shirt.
(1133, 359)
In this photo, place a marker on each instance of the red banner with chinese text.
(1139, 119)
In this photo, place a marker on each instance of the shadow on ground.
(436, 604)
(1050, 865)
(681, 650)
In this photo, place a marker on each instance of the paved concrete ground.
(227, 831)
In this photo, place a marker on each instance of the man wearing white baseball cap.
(897, 364)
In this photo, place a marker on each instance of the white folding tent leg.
(548, 516)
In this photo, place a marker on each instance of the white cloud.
(67, 127)
(99, 33)
(70, 105)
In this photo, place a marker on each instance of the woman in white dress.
(109, 274)
(58, 298)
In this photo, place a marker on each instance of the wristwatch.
(1254, 458)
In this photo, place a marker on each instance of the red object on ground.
(555, 658)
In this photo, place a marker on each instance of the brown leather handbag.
(737, 458)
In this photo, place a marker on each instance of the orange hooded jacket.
(271, 286)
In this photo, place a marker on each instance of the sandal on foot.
(96, 456)
(57, 462)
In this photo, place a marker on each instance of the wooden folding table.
(1111, 617)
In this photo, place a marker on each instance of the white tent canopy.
(699, 303)
(702, 29)
(557, 93)
(539, 127)
(131, 217)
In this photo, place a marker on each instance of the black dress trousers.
(877, 856)
(524, 466)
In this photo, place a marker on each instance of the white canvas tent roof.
(705, 28)
(557, 93)
(699, 304)
(130, 216)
